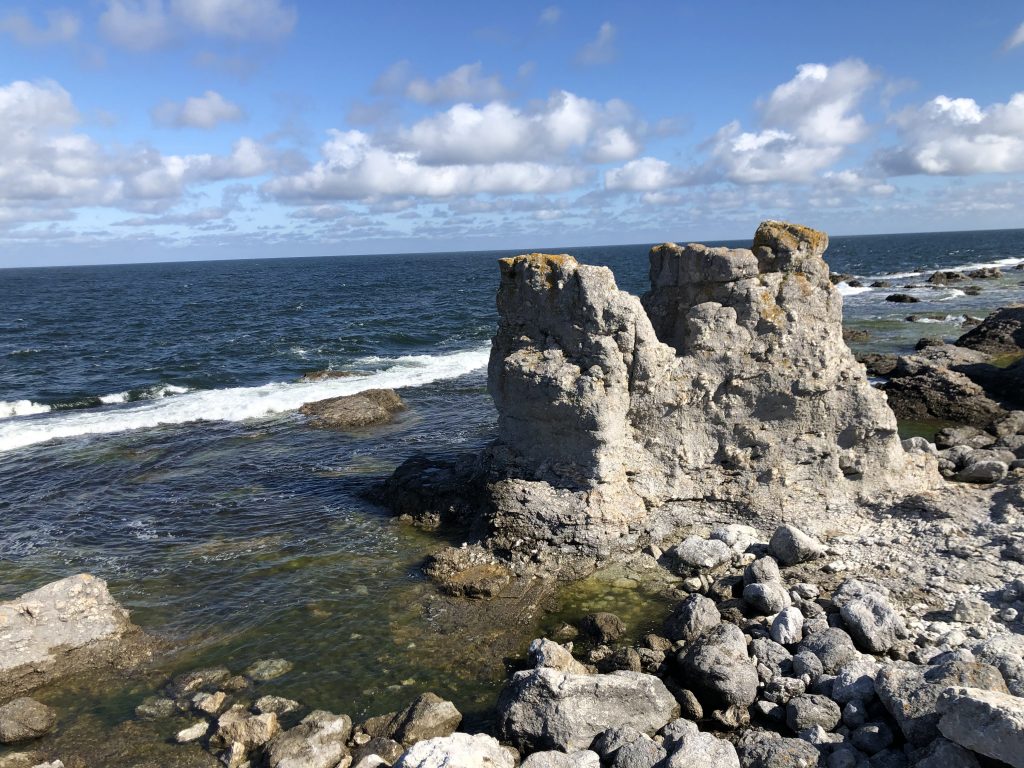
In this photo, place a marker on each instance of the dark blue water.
(149, 435)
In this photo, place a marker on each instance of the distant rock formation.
(728, 384)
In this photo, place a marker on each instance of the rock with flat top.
(987, 722)
(364, 409)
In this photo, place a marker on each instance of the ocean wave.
(851, 290)
(954, 293)
(957, 319)
(236, 403)
(10, 408)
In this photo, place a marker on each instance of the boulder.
(789, 545)
(548, 709)
(688, 747)
(428, 717)
(833, 647)
(373, 406)
(602, 627)
(581, 758)
(809, 710)
(873, 623)
(459, 750)
(69, 626)
(1000, 333)
(764, 749)
(238, 725)
(987, 722)
(548, 653)
(716, 666)
(692, 617)
(268, 669)
(25, 719)
(626, 747)
(318, 741)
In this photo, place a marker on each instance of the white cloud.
(957, 137)
(1017, 38)
(500, 132)
(466, 83)
(353, 167)
(206, 111)
(643, 174)
(48, 169)
(61, 26)
(137, 25)
(238, 19)
(550, 15)
(601, 49)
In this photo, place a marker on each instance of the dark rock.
(767, 598)
(902, 298)
(25, 719)
(985, 273)
(1000, 333)
(602, 627)
(944, 277)
(872, 737)
(374, 406)
(855, 335)
(879, 364)
(764, 749)
(314, 376)
(881, 284)
(387, 749)
(789, 546)
(808, 710)
(833, 647)
(873, 623)
(929, 341)
(692, 617)
(428, 717)
(983, 472)
(626, 747)
(467, 572)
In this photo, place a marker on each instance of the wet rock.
(208, 703)
(467, 572)
(428, 717)
(548, 709)
(459, 750)
(902, 298)
(156, 708)
(808, 710)
(239, 725)
(1000, 333)
(945, 277)
(374, 406)
(318, 741)
(692, 617)
(984, 273)
(987, 722)
(268, 669)
(326, 375)
(910, 692)
(789, 546)
(387, 749)
(602, 627)
(194, 732)
(276, 704)
(920, 390)
(582, 758)
(717, 667)
(188, 683)
(24, 719)
(65, 627)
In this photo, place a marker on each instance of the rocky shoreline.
(832, 596)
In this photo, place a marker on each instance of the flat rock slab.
(987, 722)
(374, 406)
(46, 633)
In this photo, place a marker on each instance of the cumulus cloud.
(61, 26)
(353, 166)
(1017, 38)
(601, 49)
(501, 132)
(806, 125)
(143, 25)
(466, 83)
(48, 168)
(957, 137)
(206, 111)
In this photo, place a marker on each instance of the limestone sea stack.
(725, 391)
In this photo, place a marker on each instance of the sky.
(158, 130)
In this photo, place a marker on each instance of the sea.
(149, 434)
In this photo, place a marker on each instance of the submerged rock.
(374, 406)
(25, 719)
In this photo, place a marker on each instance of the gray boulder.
(716, 666)
(789, 545)
(990, 471)
(582, 758)
(693, 617)
(833, 647)
(25, 719)
(699, 554)
(65, 627)
(788, 627)
(987, 722)
(809, 710)
(626, 747)
(910, 692)
(428, 717)
(873, 623)
(767, 598)
(549, 709)
(943, 753)
(688, 747)
(316, 742)
(459, 750)
(1005, 653)
(764, 749)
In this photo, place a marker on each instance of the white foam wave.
(237, 403)
(851, 290)
(116, 397)
(954, 293)
(947, 319)
(9, 408)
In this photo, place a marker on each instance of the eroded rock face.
(61, 628)
(729, 381)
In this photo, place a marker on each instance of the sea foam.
(9, 408)
(235, 403)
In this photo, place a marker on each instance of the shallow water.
(226, 524)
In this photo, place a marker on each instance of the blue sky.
(141, 130)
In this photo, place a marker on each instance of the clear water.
(148, 435)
